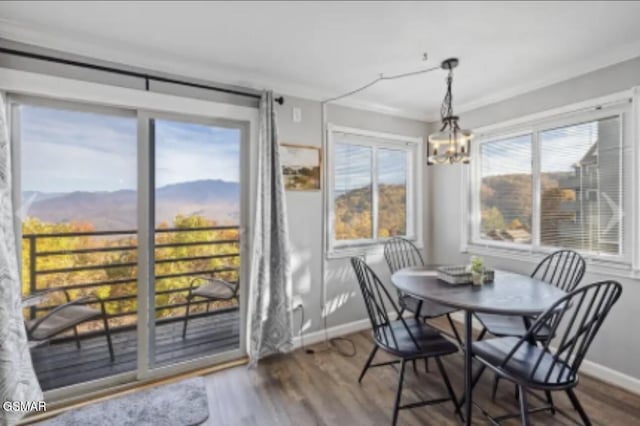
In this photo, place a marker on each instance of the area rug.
(178, 404)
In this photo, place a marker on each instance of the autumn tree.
(492, 220)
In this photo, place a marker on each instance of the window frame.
(375, 140)
(616, 105)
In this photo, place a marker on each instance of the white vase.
(477, 277)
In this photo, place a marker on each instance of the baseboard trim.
(588, 368)
(335, 331)
(611, 376)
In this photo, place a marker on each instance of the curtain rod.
(147, 77)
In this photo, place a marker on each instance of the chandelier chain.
(446, 110)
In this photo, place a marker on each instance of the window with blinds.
(581, 186)
(353, 195)
(506, 190)
(554, 186)
(372, 188)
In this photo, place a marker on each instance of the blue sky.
(66, 151)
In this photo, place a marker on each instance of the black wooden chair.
(401, 253)
(407, 340)
(211, 289)
(69, 316)
(575, 319)
(563, 269)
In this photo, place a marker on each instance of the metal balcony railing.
(195, 257)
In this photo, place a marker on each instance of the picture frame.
(301, 167)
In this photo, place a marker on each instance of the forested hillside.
(506, 202)
(353, 212)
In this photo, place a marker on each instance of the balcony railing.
(181, 255)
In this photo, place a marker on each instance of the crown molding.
(115, 52)
(105, 50)
(612, 57)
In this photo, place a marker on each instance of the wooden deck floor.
(62, 364)
(322, 389)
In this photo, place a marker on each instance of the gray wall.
(617, 346)
(306, 216)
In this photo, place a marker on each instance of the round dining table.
(508, 294)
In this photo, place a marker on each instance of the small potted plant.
(476, 267)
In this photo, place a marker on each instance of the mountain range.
(117, 210)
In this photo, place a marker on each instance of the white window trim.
(336, 249)
(627, 265)
(23, 83)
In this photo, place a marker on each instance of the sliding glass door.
(76, 200)
(131, 239)
(197, 194)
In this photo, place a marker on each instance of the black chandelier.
(451, 144)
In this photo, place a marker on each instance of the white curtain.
(18, 380)
(271, 325)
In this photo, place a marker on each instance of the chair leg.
(454, 329)
(366, 366)
(415, 370)
(494, 390)
(426, 365)
(108, 333)
(75, 333)
(482, 333)
(398, 394)
(186, 317)
(400, 313)
(550, 401)
(524, 406)
(578, 407)
(447, 383)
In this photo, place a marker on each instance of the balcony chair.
(407, 340)
(401, 253)
(69, 316)
(563, 269)
(213, 289)
(575, 319)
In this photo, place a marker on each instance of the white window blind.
(581, 187)
(353, 195)
(392, 192)
(506, 190)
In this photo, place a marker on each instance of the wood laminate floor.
(322, 389)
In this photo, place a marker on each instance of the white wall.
(617, 345)
(305, 212)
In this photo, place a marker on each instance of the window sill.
(598, 266)
(366, 249)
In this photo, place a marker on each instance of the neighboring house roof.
(514, 235)
(590, 157)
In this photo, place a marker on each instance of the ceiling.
(318, 50)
